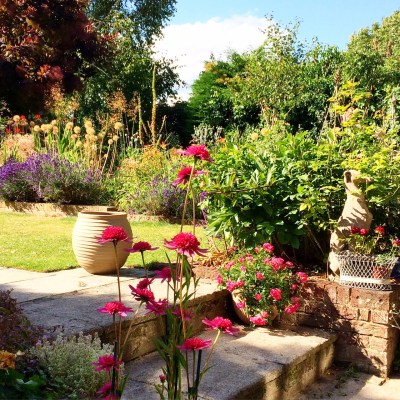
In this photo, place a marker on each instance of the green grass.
(44, 244)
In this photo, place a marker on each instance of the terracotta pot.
(242, 315)
(94, 257)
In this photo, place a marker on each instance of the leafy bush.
(49, 177)
(272, 185)
(69, 364)
(16, 332)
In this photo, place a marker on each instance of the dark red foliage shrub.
(43, 42)
(16, 332)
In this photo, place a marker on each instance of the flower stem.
(187, 196)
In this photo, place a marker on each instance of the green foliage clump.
(68, 363)
(273, 185)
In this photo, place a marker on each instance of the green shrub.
(68, 362)
(289, 189)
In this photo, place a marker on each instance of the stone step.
(259, 363)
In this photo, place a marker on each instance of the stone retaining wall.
(360, 318)
(50, 209)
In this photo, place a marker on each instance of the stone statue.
(355, 214)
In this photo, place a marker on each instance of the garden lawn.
(44, 244)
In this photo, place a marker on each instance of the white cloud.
(192, 44)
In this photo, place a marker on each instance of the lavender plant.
(51, 178)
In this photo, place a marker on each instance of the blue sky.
(202, 27)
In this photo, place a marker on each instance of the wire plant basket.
(364, 271)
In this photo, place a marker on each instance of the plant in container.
(368, 258)
(261, 284)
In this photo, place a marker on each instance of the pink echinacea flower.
(115, 307)
(224, 324)
(105, 363)
(114, 234)
(195, 343)
(185, 243)
(198, 151)
(141, 247)
(184, 175)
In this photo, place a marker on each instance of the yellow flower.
(36, 128)
(115, 138)
(69, 125)
(118, 126)
(254, 136)
(54, 122)
(7, 360)
(88, 124)
(77, 130)
(264, 131)
(16, 118)
(90, 131)
(110, 141)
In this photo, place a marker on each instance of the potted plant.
(262, 285)
(368, 258)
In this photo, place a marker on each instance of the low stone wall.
(50, 209)
(63, 210)
(360, 318)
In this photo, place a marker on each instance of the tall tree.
(43, 42)
(135, 25)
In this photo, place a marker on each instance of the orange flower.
(7, 360)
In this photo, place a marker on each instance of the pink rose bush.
(265, 284)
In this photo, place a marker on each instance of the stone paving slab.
(339, 384)
(70, 299)
(257, 363)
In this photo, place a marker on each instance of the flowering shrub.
(69, 364)
(266, 285)
(49, 177)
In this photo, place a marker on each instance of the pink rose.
(276, 294)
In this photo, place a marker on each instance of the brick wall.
(359, 317)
